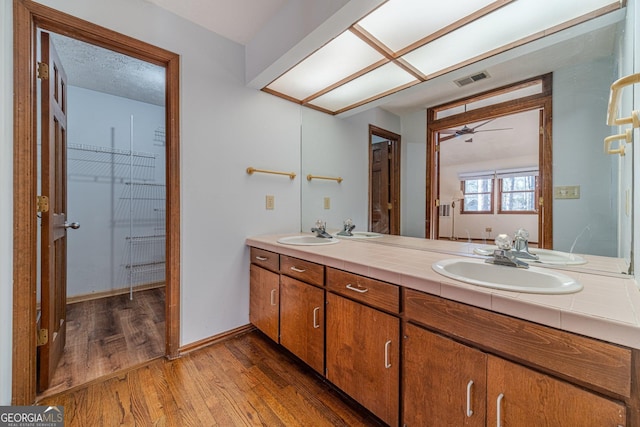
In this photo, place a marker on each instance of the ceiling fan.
(466, 130)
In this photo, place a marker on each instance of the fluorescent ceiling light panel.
(376, 82)
(340, 58)
(400, 23)
(322, 79)
(512, 23)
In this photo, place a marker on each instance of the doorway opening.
(29, 16)
(112, 312)
(469, 195)
(384, 181)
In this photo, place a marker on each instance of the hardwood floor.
(246, 380)
(110, 334)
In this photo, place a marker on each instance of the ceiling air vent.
(472, 78)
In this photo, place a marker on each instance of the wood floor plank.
(243, 381)
(110, 334)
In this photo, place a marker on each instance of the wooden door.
(302, 321)
(380, 212)
(444, 382)
(264, 301)
(362, 352)
(519, 396)
(53, 224)
(384, 181)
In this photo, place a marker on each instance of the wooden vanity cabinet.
(302, 307)
(461, 365)
(443, 382)
(513, 394)
(362, 344)
(519, 396)
(264, 292)
(449, 383)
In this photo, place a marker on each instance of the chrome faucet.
(348, 228)
(321, 230)
(504, 255)
(521, 245)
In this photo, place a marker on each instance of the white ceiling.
(237, 20)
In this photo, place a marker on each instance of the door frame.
(27, 17)
(394, 175)
(541, 101)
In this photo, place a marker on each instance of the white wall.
(225, 127)
(6, 200)
(98, 250)
(334, 147)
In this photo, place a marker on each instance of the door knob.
(74, 225)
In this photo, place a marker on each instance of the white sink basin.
(360, 235)
(530, 280)
(546, 256)
(307, 241)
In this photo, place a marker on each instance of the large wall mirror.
(581, 62)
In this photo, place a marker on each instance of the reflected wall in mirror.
(583, 60)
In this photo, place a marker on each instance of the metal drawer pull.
(386, 354)
(316, 325)
(297, 270)
(273, 296)
(261, 258)
(359, 290)
(498, 410)
(469, 410)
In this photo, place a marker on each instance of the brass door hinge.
(389, 206)
(43, 70)
(43, 337)
(437, 202)
(541, 201)
(42, 204)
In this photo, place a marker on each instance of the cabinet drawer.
(369, 291)
(302, 270)
(265, 259)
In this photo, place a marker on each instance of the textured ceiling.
(102, 70)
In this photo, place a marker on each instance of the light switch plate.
(327, 202)
(566, 192)
(270, 203)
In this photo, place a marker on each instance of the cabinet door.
(519, 396)
(444, 382)
(363, 355)
(302, 321)
(264, 297)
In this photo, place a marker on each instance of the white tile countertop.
(607, 308)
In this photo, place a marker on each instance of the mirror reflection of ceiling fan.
(466, 130)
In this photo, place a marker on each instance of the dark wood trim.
(394, 174)
(206, 342)
(541, 101)
(27, 16)
(24, 208)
